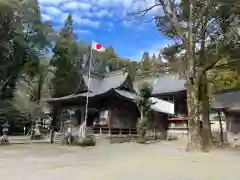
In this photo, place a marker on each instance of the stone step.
(26, 140)
(58, 138)
(102, 139)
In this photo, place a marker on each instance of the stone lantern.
(37, 129)
(5, 129)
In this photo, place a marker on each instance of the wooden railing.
(114, 131)
(107, 130)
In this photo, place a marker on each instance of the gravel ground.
(128, 161)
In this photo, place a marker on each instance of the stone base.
(233, 139)
(4, 140)
(177, 134)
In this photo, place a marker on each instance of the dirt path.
(127, 161)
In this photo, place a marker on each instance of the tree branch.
(144, 11)
(4, 85)
(227, 65)
(173, 19)
(203, 12)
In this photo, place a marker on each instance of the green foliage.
(205, 38)
(226, 80)
(213, 36)
(67, 31)
(66, 76)
(150, 67)
(146, 56)
(22, 41)
(144, 104)
(15, 118)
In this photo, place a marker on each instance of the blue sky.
(107, 22)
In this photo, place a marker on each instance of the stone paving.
(128, 161)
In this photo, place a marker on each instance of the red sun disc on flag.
(98, 46)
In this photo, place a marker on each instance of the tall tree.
(144, 104)
(159, 58)
(154, 58)
(65, 61)
(67, 31)
(24, 39)
(146, 56)
(204, 33)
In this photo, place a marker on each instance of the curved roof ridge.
(113, 80)
(116, 72)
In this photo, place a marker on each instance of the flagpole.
(88, 84)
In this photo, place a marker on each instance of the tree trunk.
(196, 127)
(206, 126)
(198, 111)
(194, 138)
(220, 117)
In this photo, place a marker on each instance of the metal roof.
(227, 100)
(127, 94)
(168, 83)
(123, 93)
(109, 81)
(72, 97)
(137, 84)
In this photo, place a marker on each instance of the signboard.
(162, 106)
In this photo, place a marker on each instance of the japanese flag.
(97, 47)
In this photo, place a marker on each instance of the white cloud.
(79, 20)
(46, 17)
(51, 10)
(88, 22)
(129, 6)
(76, 5)
(52, 2)
(63, 17)
(84, 32)
(96, 13)
(85, 22)
(103, 13)
(85, 12)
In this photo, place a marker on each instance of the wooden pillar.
(82, 115)
(220, 118)
(109, 122)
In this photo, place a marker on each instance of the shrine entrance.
(93, 114)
